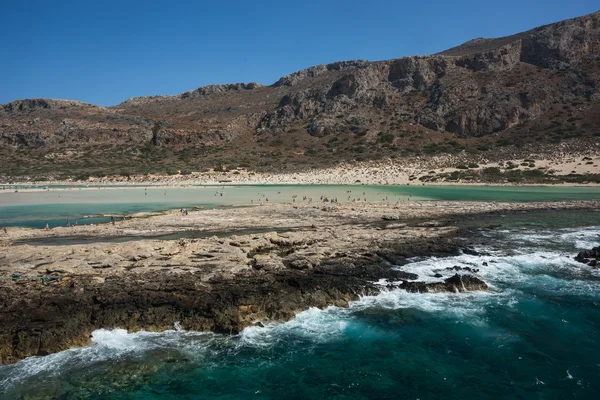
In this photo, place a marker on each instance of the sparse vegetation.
(303, 126)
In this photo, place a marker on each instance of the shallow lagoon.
(32, 208)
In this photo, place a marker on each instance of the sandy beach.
(366, 173)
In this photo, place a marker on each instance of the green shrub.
(386, 138)
(492, 171)
(503, 142)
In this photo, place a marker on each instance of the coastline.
(366, 173)
(81, 185)
(253, 265)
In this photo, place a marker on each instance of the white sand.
(368, 173)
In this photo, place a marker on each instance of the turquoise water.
(33, 209)
(534, 335)
(36, 215)
(501, 193)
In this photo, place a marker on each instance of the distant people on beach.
(47, 226)
(6, 229)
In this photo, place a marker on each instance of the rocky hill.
(535, 92)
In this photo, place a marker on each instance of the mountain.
(533, 92)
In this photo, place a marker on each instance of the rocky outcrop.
(220, 281)
(29, 105)
(486, 87)
(313, 72)
(462, 97)
(41, 317)
(455, 284)
(213, 89)
(590, 257)
(564, 44)
(223, 280)
(499, 59)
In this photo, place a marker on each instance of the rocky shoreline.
(316, 256)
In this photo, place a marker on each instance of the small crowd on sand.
(261, 200)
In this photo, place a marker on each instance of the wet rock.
(589, 257)
(473, 252)
(465, 283)
(206, 285)
(455, 284)
(394, 259)
(459, 268)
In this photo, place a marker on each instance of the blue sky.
(104, 52)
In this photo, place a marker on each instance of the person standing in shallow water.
(47, 227)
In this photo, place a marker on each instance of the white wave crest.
(506, 275)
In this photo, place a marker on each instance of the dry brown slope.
(491, 94)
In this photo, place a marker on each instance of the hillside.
(533, 94)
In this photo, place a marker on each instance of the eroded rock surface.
(313, 256)
(590, 257)
(479, 89)
(202, 284)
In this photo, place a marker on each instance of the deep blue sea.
(534, 335)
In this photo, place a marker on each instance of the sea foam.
(507, 274)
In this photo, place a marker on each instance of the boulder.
(589, 257)
(267, 262)
(454, 284)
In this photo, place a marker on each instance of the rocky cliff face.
(212, 89)
(480, 89)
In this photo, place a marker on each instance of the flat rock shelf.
(314, 256)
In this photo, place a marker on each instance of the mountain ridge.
(538, 87)
(447, 52)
